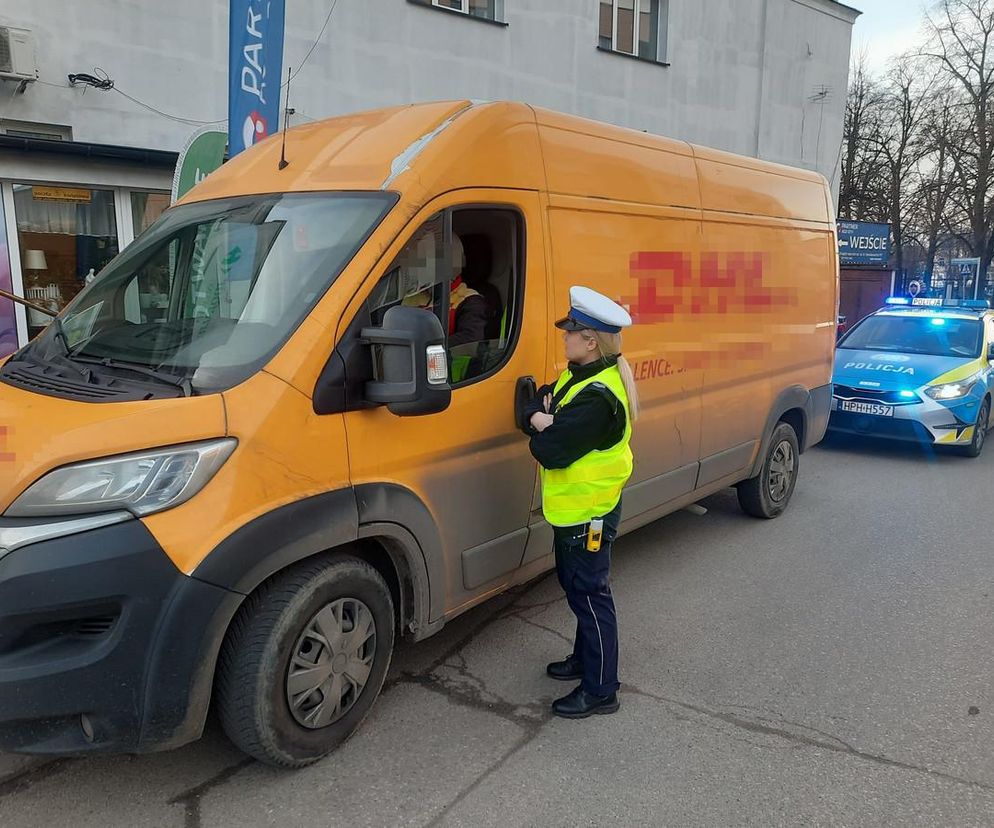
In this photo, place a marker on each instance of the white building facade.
(83, 169)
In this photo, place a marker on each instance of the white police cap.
(590, 310)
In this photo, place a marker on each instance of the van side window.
(466, 266)
(416, 276)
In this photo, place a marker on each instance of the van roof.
(424, 149)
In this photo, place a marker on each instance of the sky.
(886, 29)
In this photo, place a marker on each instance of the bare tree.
(899, 141)
(961, 46)
(860, 193)
(935, 182)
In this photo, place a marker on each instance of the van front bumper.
(104, 645)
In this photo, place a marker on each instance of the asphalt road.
(829, 667)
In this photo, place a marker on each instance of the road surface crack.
(565, 638)
(190, 799)
(518, 746)
(828, 742)
(22, 780)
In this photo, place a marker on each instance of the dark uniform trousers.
(586, 579)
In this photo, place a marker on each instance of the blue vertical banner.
(255, 70)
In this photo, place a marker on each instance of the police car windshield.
(926, 334)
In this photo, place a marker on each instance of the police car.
(918, 370)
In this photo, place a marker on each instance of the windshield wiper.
(182, 383)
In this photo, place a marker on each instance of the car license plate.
(857, 407)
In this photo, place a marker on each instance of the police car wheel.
(767, 494)
(304, 660)
(979, 432)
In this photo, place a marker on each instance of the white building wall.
(742, 73)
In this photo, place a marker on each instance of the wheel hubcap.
(782, 466)
(980, 432)
(330, 663)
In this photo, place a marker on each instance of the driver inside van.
(468, 310)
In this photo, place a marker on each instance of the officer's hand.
(547, 402)
(541, 421)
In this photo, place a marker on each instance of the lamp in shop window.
(35, 263)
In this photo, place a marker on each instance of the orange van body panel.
(728, 265)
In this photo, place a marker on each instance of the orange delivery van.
(246, 459)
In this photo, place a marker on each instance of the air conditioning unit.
(17, 55)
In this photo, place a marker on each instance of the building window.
(146, 208)
(31, 129)
(635, 27)
(492, 10)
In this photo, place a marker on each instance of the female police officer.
(580, 431)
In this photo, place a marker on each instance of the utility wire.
(314, 45)
(102, 81)
(178, 118)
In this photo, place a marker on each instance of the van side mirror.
(410, 364)
(990, 351)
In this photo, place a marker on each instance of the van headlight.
(141, 483)
(951, 390)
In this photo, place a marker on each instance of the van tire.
(278, 622)
(979, 440)
(767, 494)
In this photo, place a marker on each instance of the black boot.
(569, 669)
(579, 704)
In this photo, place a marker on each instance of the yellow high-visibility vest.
(591, 487)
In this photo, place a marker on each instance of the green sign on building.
(201, 156)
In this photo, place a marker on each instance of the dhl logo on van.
(671, 283)
(5, 456)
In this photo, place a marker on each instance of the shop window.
(146, 208)
(65, 235)
(637, 28)
(8, 325)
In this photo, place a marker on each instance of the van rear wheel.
(767, 494)
(304, 661)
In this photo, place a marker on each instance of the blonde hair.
(609, 345)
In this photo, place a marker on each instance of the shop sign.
(75, 195)
(863, 243)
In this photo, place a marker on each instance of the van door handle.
(524, 392)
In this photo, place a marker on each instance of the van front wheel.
(767, 494)
(304, 661)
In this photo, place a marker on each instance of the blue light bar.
(898, 300)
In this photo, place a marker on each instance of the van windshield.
(209, 293)
(930, 335)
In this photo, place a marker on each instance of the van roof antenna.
(286, 117)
